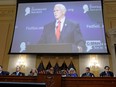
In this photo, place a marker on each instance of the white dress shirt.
(62, 23)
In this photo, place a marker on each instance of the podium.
(50, 48)
(51, 80)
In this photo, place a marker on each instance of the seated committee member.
(87, 73)
(106, 72)
(64, 73)
(3, 73)
(63, 31)
(33, 72)
(50, 71)
(72, 73)
(17, 72)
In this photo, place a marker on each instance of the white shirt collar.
(62, 23)
(62, 20)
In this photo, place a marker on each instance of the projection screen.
(59, 27)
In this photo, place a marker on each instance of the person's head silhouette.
(59, 11)
(22, 46)
(27, 11)
(85, 8)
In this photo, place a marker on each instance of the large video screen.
(59, 27)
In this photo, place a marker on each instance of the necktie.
(107, 73)
(58, 31)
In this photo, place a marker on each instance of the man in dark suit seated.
(87, 73)
(17, 72)
(63, 31)
(106, 72)
(3, 73)
(6, 73)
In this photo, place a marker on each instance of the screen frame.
(45, 1)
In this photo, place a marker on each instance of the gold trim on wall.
(7, 17)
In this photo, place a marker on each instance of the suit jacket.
(4, 73)
(72, 75)
(88, 75)
(19, 74)
(108, 74)
(69, 34)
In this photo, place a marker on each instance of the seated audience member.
(106, 72)
(3, 73)
(17, 72)
(72, 73)
(87, 73)
(42, 72)
(64, 73)
(58, 71)
(33, 72)
(50, 71)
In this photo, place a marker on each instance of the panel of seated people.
(52, 77)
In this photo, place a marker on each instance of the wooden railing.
(89, 82)
(57, 81)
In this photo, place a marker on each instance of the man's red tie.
(58, 31)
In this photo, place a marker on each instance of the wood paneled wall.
(110, 22)
(7, 17)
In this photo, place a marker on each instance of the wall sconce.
(94, 66)
(21, 62)
(94, 63)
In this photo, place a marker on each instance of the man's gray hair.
(61, 6)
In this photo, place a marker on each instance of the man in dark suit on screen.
(63, 31)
